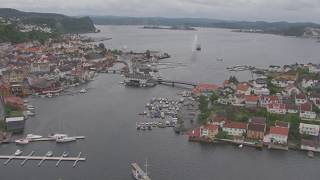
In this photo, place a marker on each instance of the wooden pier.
(42, 159)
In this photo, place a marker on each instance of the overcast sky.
(269, 10)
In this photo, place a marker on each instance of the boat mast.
(146, 165)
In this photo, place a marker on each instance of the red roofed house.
(251, 100)
(306, 111)
(204, 88)
(195, 134)
(277, 108)
(300, 99)
(14, 101)
(244, 88)
(278, 135)
(209, 131)
(235, 128)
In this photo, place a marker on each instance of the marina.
(48, 157)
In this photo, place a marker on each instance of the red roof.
(195, 133)
(204, 87)
(236, 125)
(251, 98)
(301, 96)
(279, 130)
(243, 87)
(219, 118)
(306, 107)
(273, 98)
(211, 127)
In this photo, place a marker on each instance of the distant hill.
(58, 22)
(282, 28)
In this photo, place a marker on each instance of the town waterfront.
(107, 114)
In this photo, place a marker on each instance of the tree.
(101, 46)
(214, 97)
(233, 80)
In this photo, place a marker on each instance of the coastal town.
(279, 108)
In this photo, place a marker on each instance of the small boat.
(143, 128)
(56, 136)
(25, 101)
(65, 154)
(310, 154)
(30, 113)
(219, 59)
(18, 152)
(240, 146)
(49, 95)
(33, 136)
(22, 141)
(49, 154)
(65, 139)
(83, 91)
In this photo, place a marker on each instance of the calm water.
(106, 115)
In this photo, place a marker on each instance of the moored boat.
(18, 152)
(56, 136)
(65, 139)
(138, 173)
(22, 141)
(33, 136)
(49, 154)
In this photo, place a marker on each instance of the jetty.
(42, 159)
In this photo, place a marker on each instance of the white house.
(261, 91)
(306, 83)
(309, 129)
(275, 68)
(235, 128)
(277, 135)
(314, 68)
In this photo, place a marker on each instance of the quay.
(42, 159)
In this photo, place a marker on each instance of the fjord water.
(107, 114)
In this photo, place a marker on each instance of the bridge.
(173, 82)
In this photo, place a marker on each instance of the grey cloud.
(273, 10)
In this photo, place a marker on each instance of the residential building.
(306, 111)
(310, 145)
(309, 129)
(15, 124)
(300, 99)
(308, 82)
(14, 101)
(256, 128)
(277, 135)
(277, 108)
(235, 128)
(251, 100)
(244, 88)
(209, 131)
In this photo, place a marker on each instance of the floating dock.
(42, 159)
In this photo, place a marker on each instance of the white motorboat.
(18, 152)
(49, 154)
(33, 136)
(30, 113)
(65, 139)
(83, 91)
(22, 141)
(57, 136)
(241, 146)
(65, 154)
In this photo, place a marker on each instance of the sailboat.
(138, 173)
(196, 44)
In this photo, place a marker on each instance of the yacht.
(65, 139)
(49, 154)
(33, 136)
(18, 152)
(57, 136)
(83, 91)
(22, 141)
